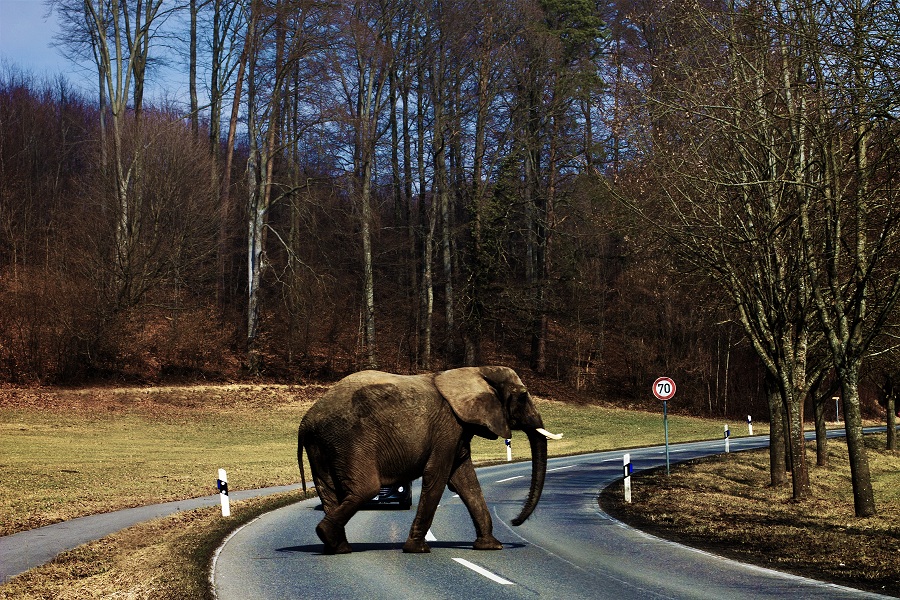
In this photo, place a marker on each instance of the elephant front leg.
(466, 484)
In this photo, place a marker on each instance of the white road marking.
(560, 468)
(511, 478)
(484, 572)
(429, 537)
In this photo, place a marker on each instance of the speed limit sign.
(664, 388)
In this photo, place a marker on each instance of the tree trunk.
(400, 207)
(796, 434)
(215, 96)
(447, 255)
(428, 215)
(777, 454)
(368, 273)
(225, 194)
(428, 285)
(192, 70)
(891, 422)
(412, 224)
(819, 406)
(863, 496)
(890, 405)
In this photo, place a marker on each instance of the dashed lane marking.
(483, 572)
(560, 468)
(511, 478)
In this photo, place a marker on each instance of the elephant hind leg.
(331, 530)
(333, 536)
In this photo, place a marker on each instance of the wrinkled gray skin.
(374, 429)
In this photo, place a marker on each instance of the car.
(398, 495)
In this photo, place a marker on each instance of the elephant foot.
(343, 548)
(333, 537)
(488, 542)
(416, 547)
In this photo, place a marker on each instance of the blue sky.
(26, 35)
(26, 42)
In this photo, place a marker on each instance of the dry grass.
(725, 504)
(65, 454)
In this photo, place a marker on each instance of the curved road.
(34, 547)
(568, 548)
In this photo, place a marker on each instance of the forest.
(600, 193)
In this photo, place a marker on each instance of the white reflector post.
(508, 450)
(222, 484)
(628, 470)
(727, 437)
(749, 424)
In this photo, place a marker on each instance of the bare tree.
(362, 62)
(193, 11)
(779, 182)
(850, 221)
(554, 62)
(720, 150)
(119, 35)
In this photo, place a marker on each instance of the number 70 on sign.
(664, 388)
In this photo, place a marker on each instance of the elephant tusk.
(547, 434)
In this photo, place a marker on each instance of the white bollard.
(727, 436)
(750, 424)
(508, 450)
(222, 484)
(628, 470)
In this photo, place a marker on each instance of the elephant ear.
(472, 399)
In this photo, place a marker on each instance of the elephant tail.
(300, 457)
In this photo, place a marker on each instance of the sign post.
(664, 389)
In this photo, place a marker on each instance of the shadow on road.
(392, 546)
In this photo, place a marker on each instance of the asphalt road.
(29, 549)
(568, 548)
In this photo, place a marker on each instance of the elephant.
(374, 429)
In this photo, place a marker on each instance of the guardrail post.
(628, 470)
(222, 485)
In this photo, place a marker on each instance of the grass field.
(67, 454)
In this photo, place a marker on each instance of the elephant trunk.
(538, 472)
